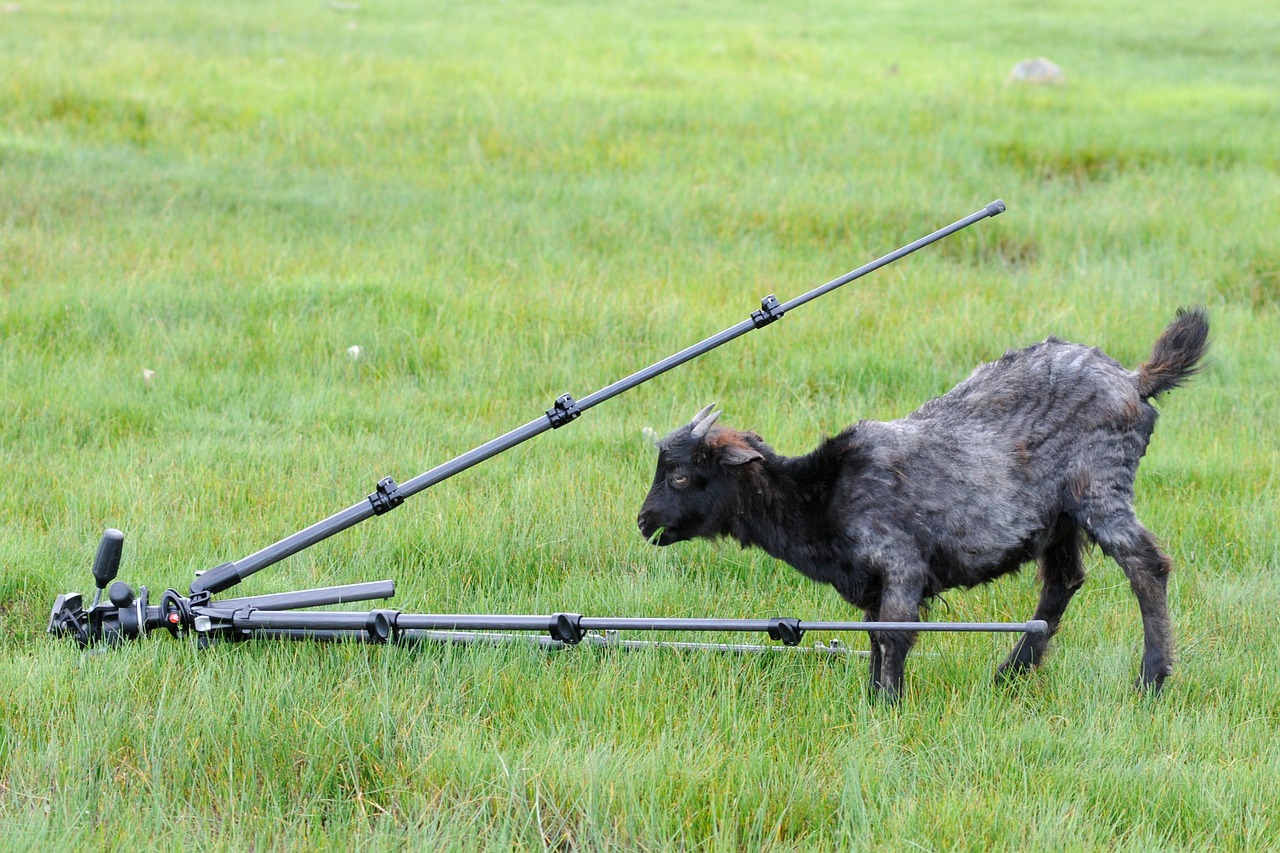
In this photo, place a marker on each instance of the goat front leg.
(873, 615)
(900, 602)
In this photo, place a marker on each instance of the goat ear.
(735, 454)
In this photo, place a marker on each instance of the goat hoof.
(1010, 671)
(1155, 668)
(887, 696)
(1151, 684)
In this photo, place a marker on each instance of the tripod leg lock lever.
(387, 497)
(567, 628)
(787, 630)
(770, 310)
(380, 626)
(565, 410)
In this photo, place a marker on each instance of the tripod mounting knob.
(121, 594)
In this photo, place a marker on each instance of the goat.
(1022, 461)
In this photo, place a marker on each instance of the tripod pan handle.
(106, 563)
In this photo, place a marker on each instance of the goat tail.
(1177, 354)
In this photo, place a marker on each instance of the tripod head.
(126, 615)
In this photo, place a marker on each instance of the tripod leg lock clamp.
(565, 410)
(770, 310)
(787, 630)
(387, 497)
(380, 626)
(567, 628)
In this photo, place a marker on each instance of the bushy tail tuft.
(1176, 355)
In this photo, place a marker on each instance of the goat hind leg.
(1149, 579)
(1061, 574)
(1136, 550)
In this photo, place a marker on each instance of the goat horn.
(697, 419)
(701, 427)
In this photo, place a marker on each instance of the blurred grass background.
(501, 202)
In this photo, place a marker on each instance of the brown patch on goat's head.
(731, 448)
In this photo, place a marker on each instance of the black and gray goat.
(1021, 461)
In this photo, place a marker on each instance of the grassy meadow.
(499, 202)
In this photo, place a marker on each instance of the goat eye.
(680, 480)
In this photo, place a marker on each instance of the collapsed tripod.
(129, 615)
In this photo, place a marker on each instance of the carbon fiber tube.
(344, 594)
(401, 622)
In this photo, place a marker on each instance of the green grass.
(501, 202)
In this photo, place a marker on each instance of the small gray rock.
(1037, 71)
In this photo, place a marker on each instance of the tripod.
(129, 615)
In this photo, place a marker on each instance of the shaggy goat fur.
(1021, 461)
